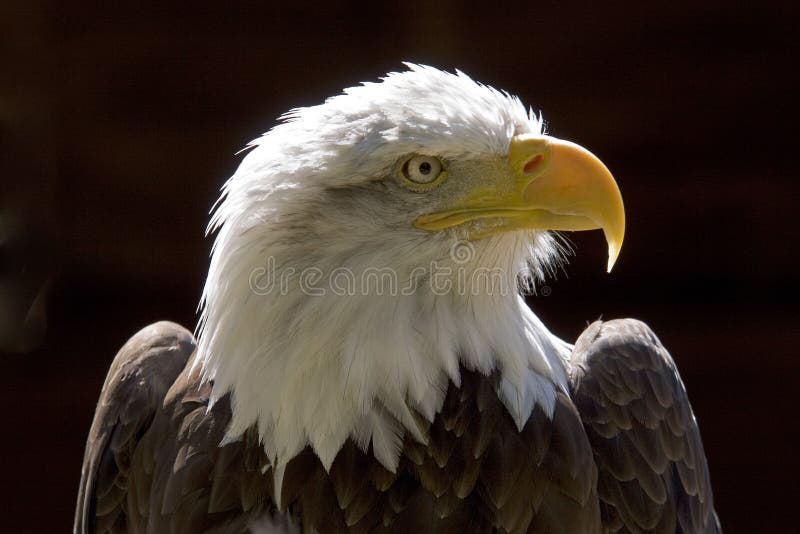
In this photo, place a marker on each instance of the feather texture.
(653, 474)
(574, 470)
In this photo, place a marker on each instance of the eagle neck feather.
(317, 369)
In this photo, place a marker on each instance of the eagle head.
(370, 247)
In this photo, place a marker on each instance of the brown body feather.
(154, 462)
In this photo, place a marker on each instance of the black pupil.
(424, 168)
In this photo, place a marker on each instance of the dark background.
(119, 124)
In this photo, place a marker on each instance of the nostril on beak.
(532, 164)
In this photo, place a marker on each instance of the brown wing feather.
(140, 375)
(653, 474)
(153, 459)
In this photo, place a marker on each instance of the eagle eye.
(422, 171)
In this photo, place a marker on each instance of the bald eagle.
(365, 359)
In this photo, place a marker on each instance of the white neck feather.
(317, 348)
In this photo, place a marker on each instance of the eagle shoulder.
(154, 460)
(140, 375)
(652, 470)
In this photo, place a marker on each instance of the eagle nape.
(364, 361)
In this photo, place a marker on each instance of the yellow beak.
(555, 185)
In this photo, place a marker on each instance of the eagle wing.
(134, 389)
(652, 470)
(154, 460)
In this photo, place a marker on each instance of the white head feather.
(326, 353)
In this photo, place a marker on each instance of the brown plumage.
(621, 453)
(653, 475)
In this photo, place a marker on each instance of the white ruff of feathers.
(319, 369)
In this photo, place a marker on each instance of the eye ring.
(422, 172)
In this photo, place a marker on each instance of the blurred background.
(120, 121)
